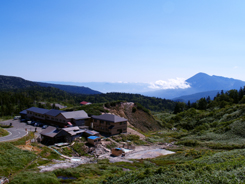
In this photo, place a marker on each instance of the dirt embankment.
(139, 118)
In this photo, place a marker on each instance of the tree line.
(220, 100)
(15, 100)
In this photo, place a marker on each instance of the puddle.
(66, 178)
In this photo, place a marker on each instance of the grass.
(22, 141)
(3, 132)
(13, 159)
(32, 177)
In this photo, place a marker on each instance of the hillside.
(71, 89)
(217, 123)
(9, 82)
(137, 116)
(194, 97)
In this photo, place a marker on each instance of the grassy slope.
(217, 128)
(13, 159)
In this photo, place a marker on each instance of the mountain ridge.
(13, 82)
(201, 85)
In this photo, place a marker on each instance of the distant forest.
(15, 100)
(221, 100)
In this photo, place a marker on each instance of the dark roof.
(23, 112)
(110, 117)
(50, 131)
(53, 112)
(38, 110)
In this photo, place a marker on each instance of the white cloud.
(235, 67)
(178, 83)
(122, 82)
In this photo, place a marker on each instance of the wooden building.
(109, 124)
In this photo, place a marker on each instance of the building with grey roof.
(76, 118)
(52, 135)
(56, 117)
(109, 124)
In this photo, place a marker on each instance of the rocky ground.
(140, 152)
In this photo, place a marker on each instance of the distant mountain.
(105, 87)
(194, 97)
(201, 85)
(203, 82)
(70, 88)
(10, 82)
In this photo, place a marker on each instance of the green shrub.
(31, 177)
(188, 142)
(80, 148)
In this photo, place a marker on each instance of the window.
(102, 122)
(108, 123)
(95, 120)
(125, 122)
(120, 123)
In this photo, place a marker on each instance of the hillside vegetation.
(15, 100)
(11, 82)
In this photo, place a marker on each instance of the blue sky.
(121, 40)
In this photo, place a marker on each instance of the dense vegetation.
(9, 82)
(16, 100)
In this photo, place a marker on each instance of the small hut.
(94, 140)
(117, 151)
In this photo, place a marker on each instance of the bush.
(189, 142)
(30, 178)
(80, 148)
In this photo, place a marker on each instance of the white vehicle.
(28, 122)
(16, 117)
